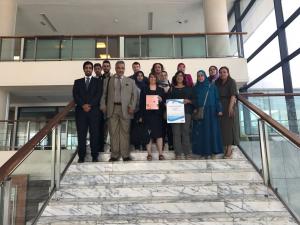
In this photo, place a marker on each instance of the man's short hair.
(106, 61)
(136, 63)
(87, 63)
(120, 62)
(97, 64)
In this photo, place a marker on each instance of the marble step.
(166, 166)
(258, 218)
(163, 208)
(162, 200)
(141, 155)
(163, 178)
(205, 191)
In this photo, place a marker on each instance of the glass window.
(193, 47)
(66, 47)
(267, 27)
(48, 49)
(29, 49)
(84, 48)
(289, 7)
(101, 48)
(113, 47)
(292, 39)
(132, 47)
(178, 47)
(145, 47)
(295, 67)
(265, 60)
(160, 47)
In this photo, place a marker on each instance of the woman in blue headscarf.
(206, 135)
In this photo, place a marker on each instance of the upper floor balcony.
(139, 46)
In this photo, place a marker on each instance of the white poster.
(175, 111)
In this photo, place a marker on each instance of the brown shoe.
(161, 157)
(149, 157)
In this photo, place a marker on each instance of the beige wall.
(64, 72)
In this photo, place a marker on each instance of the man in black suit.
(87, 93)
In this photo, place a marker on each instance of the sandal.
(161, 157)
(149, 157)
(178, 157)
(228, 156)
(188, 157)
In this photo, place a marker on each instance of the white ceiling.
(109, 16)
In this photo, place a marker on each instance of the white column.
(4, 104)
(215, 15)
(8, 17)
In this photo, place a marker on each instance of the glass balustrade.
(115, 47)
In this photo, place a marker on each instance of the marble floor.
(184, 192)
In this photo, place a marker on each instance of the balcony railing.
(140, 46)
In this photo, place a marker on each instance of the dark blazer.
(91, 96)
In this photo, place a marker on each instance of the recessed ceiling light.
(116, 20)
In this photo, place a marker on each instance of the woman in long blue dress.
(206, 134)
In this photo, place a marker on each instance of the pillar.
(8, 17)
(4, 104)
(215, 17)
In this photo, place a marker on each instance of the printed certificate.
(152, 102)
(175, 111)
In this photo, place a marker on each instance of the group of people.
(116, 104)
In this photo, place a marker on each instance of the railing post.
(264, 147)
(5, 208)
(53, 158)
(58, 156)
(206, 46)
(27, 131)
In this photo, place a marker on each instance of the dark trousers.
(102, 132)
(167, 133)
(88, 121)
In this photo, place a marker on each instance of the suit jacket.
(128, 96)
(91, 96)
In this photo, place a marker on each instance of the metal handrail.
(276, 125)
(10, 165)
(262, 94)
(116, 35)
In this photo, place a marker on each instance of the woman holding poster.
(181, 125)
(152, 105)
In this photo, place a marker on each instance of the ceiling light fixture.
(150, 20)
(101, 45)
(104, 56)
(47, 20)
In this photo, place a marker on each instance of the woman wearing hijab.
(206, 133)
(213, 74)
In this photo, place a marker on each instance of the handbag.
(199, 113)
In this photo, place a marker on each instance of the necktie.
(87, 82)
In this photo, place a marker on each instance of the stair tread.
(178, 219)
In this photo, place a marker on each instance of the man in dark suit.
(87, 93)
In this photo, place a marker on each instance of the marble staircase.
(183, 192)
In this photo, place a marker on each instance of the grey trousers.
(181, 136)
(119, 129)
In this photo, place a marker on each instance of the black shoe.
(80, 160)
(127, 159)
(112, 160)
(95, 160)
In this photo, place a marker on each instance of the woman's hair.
(137, 73)
(226, 68)
(174, 79)
(153, 70)
(180, 64)
(152, 75)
